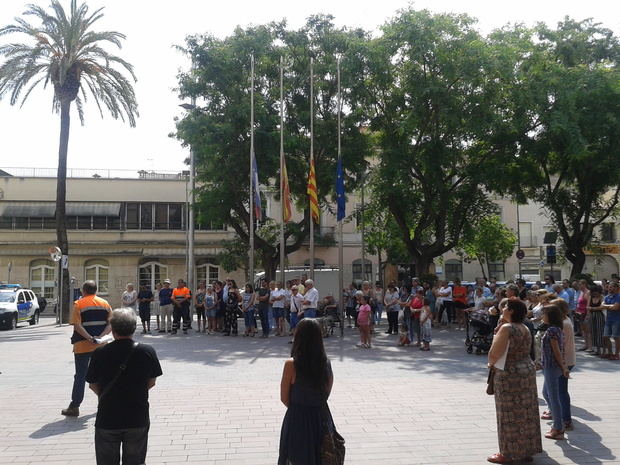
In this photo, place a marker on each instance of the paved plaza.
(218, 402)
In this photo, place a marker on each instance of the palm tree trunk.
(61, 197)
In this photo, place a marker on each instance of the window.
(175, 215)
(497, 269)
(98, 270)
(207, 273)
(161, 216)
(146, 216)
(43, 278)
(608, 232)
(525, 235)
(454, 269)
(132, 216)
(318, 263)
(151, 273)
(358, 274)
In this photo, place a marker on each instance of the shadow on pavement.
(62, 426)
(584, 445)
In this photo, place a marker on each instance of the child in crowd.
(426, 318)
(403, 330)
(363, 321)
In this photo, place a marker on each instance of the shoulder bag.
(122, 367)
(332, 444)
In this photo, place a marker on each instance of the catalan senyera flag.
(286, 195)
(312, 194)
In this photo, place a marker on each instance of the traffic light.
(551, 257)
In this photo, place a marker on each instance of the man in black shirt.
(263, 307)
(121, 374)
(145, 297)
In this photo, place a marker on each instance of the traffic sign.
(520, 254)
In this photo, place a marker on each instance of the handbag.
(490, 381)
(332, 444)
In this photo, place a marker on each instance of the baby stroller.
(480, 322)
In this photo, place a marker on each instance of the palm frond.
(69, 54)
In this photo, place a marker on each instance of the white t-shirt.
(312, 295)
(128, 297)
(297, 303)
(446, 294)
(277, 293)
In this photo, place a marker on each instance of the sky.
(29, 136)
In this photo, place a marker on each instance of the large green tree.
(430, 84)
(64, 51)
(220, 131)
(559, 141)
(487, 240)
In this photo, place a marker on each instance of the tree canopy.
(220, 132)
(559, 143)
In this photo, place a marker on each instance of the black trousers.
(392, 322)
(264, 320)
(177, 314)
(447, 306)
(108, 443)
(230, 320)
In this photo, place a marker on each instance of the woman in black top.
(306, 384)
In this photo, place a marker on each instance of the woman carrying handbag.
(308, 435)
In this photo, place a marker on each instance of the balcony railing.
(88, 173)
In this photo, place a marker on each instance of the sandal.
(499, 458)
(555, 434)
(568, 426)
(546, 415)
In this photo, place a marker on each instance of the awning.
(22, 209)
(48, 209)
(93, 208)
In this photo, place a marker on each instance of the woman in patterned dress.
(516, 397)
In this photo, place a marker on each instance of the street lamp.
(191, 213)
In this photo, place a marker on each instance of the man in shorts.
(612, 322)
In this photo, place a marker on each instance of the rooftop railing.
(90, 173)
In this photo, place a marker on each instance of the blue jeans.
(79, 379)
(413, 326)
(551, 393)
(249, 318)
(310, 313)
(264, 320)
(378, 313)
(565, 398)
(293, 320)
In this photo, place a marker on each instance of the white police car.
(16, 306)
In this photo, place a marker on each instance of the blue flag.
(340, 200)
(256, 193)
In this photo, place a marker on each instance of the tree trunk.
(270, 264)
(484, 275)
(422, 265)
(578, 260)
(61, 197)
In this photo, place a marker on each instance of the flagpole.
(340, 248)
(251, 227)
(311, 161)
(282, 199)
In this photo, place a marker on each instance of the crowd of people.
(536, 330)
(411, 308)
(219, 305)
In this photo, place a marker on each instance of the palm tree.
(64, 51)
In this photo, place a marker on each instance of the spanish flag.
(312, 194)
(287, 211)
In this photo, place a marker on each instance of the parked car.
(17, 306)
